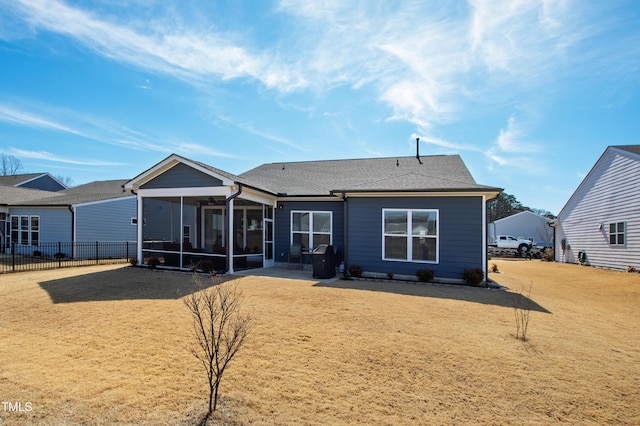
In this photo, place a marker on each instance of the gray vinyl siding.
(45, 183)
(460, 234)
(55, 222)
(282, 224)
(182, 176)
(610, 193)
(106, 221)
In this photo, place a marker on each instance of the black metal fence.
(65, 254)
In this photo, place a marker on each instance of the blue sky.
(529, 93)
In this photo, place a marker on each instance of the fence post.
(13, 256)
(97, 253)
(59, 254)
(127, 249)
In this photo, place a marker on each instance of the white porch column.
(140, 224)
(231, 236)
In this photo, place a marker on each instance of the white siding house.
(526, 224)
(600, 224)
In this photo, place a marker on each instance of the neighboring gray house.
(600, 224)
(43, 181)
(527, 225)
(387, 215)
(98, 211)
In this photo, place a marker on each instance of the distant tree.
(502, 206)
(543, 212)
(66, 180)
(9, 165)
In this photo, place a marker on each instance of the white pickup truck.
(510, 242)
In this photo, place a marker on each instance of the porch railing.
(53, 255)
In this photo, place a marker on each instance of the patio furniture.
(295, 255)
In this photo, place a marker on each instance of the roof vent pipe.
(418, 150)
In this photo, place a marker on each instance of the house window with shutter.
(617, 233)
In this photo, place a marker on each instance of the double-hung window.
(410, 235)
(25, 230)
(617, 232)
(311, 228)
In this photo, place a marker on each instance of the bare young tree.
(522, 311)
(9, 165)
(220, 329)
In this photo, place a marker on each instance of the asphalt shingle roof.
(93, 191)
(10, 195)
(630, 148)
(316, 178)
(14, 180)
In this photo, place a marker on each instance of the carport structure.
(191, 214)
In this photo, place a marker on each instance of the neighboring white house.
(600, 224)
(526, 224)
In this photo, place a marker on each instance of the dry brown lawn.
(111, 345)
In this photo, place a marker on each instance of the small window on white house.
(617, 233)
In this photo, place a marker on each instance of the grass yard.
(111, 345)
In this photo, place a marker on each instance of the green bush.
(355, 271)
(153, 262)
(424, 275)
(473, 276)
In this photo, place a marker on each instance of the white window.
(25, 230)
(410, 235)
(617, 232)
(311, 228)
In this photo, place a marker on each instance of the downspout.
(229, 226)
(485, 260)
(73, 230)
(345, 251)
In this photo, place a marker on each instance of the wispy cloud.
(248, 127)
(102, 131)
(23, 118)
(48, 156)
(190, 54)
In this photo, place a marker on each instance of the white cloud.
(22, 118)
(48, 156)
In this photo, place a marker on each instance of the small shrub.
(473, 276)
(355, 271)
(153, 262)
(389, 275)
(133, 261)
(37, 253)
(424, 275)
(632, 270)
(548, 255)
(207, 266)
(522, 311)
(59, 255)
(494, 268)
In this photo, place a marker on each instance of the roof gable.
(202, 173)
(43, 181)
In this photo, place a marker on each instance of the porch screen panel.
(214, 230)
(254, 231)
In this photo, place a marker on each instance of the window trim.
(409, 237)
(614, 236)
(310, 232)
(16, 233)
